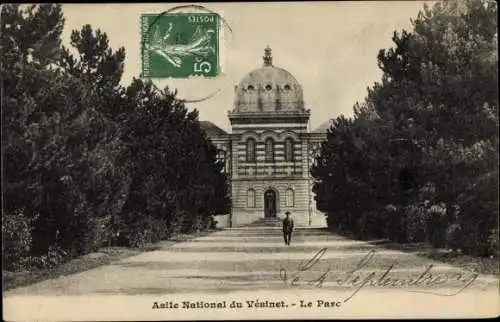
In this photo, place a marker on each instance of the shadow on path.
(483, 265)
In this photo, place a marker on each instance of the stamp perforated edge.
(221, 44)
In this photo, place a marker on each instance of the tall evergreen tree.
(175, 178)
(32, 93)
(427, 131)
(85, 157)
(100, 69)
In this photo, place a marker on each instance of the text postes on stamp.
(180, 45)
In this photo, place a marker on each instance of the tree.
(58, 147)
(31, 92)
(176, 182)
(431, 121)
(100, 69)
(85, 156)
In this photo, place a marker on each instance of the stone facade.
(269, 151)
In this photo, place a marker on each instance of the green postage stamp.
(180, 45)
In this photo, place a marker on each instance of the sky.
(330, 47)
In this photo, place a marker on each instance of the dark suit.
(287, 229)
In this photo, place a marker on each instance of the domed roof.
(269, 74)
(268, 89)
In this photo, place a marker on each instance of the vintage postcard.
(244, 161)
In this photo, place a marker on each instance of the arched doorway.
(270, 203)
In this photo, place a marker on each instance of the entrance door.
(270, 203)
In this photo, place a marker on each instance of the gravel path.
(245, 262)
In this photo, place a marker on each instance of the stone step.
(266, 222)
(299, 221)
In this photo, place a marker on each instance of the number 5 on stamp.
(180, 45)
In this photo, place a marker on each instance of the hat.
(287, 213)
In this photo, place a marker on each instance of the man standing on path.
(287, 228)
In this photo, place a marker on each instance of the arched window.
(221, 158)
(250, 150)
(251, 198)
(315, 154)
(269, 150)
(288, 150)
(289, 196)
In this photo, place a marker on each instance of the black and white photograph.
(250, 161)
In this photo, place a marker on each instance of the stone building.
(269, 150)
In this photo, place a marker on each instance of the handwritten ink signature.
(357, 279)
